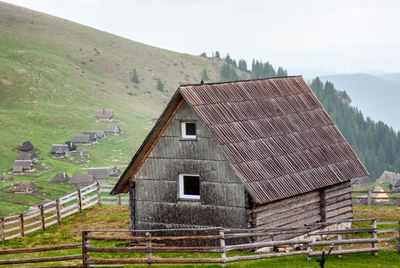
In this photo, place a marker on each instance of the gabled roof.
(23, 163)
(105, 113)
(26, 187)
(60, 177)
(112, 128)
(82, 179)
(274, 133)
(93, 135)
(59, 148)
(99, 173)
(82, 138)
(99, 133)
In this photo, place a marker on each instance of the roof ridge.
(246, 80)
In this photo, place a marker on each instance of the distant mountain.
(395, 77)
(377, 97)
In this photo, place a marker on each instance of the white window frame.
(183, 131)
(182, 194)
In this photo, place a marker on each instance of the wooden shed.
(258, 153)
(59, 150)
(100, 174)
(105, 115)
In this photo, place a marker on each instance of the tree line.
(376, 144)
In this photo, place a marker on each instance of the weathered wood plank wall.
(157, 204)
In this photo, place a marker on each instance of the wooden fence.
(148, 242)
(223, 246)
(53, 212)
(371, 198)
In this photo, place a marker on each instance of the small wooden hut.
(100, 174)
(60, 177)
(81, 180)
(112, 129)
(59, 150)
(245, 154)
(82, 139)
(105, 115)
(26, 188)
(22, 166)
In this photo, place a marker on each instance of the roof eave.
(122, 186)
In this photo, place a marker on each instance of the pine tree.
(376, 144)
(281, 72)
(228, 73)
(243, 65)
(217, 55)
(135, 78)
(160, 85)
(204, 75)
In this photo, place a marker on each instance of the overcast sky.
(307, 37)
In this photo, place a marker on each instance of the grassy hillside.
(55, 75)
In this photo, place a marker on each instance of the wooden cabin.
(258, 153)
(26, 188)
(112, 129)
(115, 172)
(82, 180)
(22, 166)
(82, 139)
(59, 150)
(105, 115)
(60, 177)
(100, 174)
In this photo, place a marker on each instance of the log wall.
(328, 204)
(157, 203)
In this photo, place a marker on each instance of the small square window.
(189, 186)
(188, 130)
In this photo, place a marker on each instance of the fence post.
(148, 245)
(369, 197)
(21, 216)
(98, 194)
(339, 237)
(223, 249)
(58, 211)
(374, 235)
(84, 251)
(3, 236)
(79, 200)
(42, 216)
(119, 199)
(398, 241)
(308, 248)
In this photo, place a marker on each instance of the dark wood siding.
(332, 203)
(157, 204)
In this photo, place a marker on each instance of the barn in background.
(258, 153)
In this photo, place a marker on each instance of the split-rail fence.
(53, 212)
(371, 198)
(103, 247)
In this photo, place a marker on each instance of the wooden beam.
(322, 204)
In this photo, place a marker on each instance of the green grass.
(52, 85)
(115, 217)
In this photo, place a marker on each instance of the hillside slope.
(375, 96)
(55, 75)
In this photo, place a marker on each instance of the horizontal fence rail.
(53, 212)
(376, 198)
(224, 244)
(230, 241)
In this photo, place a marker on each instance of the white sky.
(307, 37)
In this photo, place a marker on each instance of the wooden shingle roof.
(274, 132)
